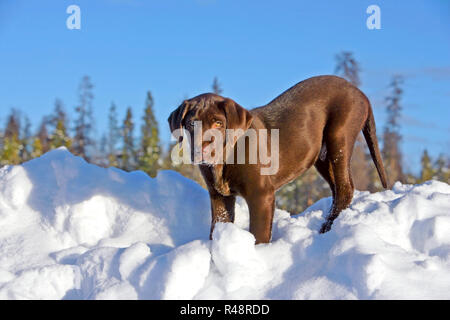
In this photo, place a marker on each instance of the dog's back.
(313, 94)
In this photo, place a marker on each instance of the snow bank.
(71, 230)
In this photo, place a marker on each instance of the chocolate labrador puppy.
(317, 122)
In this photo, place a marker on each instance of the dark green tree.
(12, 146)
(84, 122)
(442, 170)
(348, 67)
(150, 149)
(392, 155)
(26, 140)
(113, 136)
(59, 123)
(216, 87)
(427, 171)
(43, 136)
(36, 148)
(128, 160)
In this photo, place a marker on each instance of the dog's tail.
(370, 135)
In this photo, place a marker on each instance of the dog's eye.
(217, 124)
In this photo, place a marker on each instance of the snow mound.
(72, 230)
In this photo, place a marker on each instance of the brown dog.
(318, 121)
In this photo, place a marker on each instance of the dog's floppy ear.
(237, 116)
(176, 117)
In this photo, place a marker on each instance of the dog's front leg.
(261, 206)
(222, 209)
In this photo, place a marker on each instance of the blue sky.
(257, 49)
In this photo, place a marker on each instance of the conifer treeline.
(117, 147)
(129, 147)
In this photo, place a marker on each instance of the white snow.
(72, 230)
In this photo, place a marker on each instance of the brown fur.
(318, 121)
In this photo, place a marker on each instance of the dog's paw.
(326, 226)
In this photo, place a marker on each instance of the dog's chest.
(214, 177)
(221, 185)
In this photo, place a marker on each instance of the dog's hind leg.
(339, 155)
(324, 167)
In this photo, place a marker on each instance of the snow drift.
(72, 230)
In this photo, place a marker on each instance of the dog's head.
(205, 112)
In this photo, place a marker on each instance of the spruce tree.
(43, 136)
(442, 170)
(216, 88)
(2, 139)
(102, 155)
(59, 137)
(12, 146)
(11, 151)
(36, 148)
(26, 140)
(348, 67)
(392, 155)
(128, 161)
(113, 136)
(84, 122)
(150, 150)
(427, 172)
